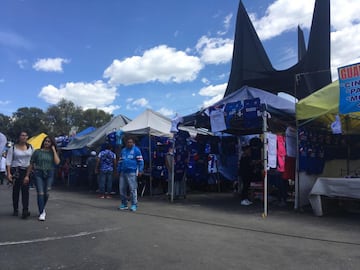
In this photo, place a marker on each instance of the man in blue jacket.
(131, 165)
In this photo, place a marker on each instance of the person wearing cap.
(91, 166)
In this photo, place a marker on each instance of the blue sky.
(173, 56)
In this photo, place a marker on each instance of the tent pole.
(173, 172)
(265, 153)
(150, 164)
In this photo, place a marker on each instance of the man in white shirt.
(3, 168)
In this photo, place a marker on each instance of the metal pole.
(173, 172)
(265, 153)
(150, 164)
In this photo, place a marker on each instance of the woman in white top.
(17, 162)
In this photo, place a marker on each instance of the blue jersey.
(131, 160)
(107, 158)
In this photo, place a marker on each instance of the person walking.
(246, 174)
(17, 162)
(105, 168)
(3, 168)
(131, 165)
(42, 165)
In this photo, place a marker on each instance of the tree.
(5, 124)
(61, 117)
(29, 119)
(95, 118)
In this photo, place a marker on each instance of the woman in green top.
(42, 163)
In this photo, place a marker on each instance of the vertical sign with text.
(349, 82)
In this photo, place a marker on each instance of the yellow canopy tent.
(323, 105)
(37, 140)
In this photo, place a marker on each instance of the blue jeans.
(105, 181)
(43, 180)
(128, 180)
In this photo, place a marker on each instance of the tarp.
(323, 105)
(277, 106)
(85, 131)
(97, 136)
(151, 123)
(36, 141)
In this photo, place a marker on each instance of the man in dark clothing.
(246, 174)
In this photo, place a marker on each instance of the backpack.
(107, 159)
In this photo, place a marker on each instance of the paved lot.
(204, 231)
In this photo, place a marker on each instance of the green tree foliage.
(29, 119)
(58, 120)
(5, 123)
(63, 116)
(94, 118)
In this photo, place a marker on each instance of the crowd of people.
(21, 162)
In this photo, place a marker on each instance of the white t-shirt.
(3, 164)
(174, 124)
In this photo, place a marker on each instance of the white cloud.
(142, 102)
(87, 95)
(281, 16)
(215, 50)
(22, 63)
(160, 63)
(216, 92)
(166, 112)
(211, 101)
(136, 104)
(4, 102)
(205, 81)
(227, 21)
(285, 15)
(109, 109)
(345, 48)
(50, 64)
(213, 90)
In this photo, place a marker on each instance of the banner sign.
(349, 82)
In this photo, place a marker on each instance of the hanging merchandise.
(217, 120)
(272, 151)
(336, 125)
(252, 113)
(231, 110)
(175, 122)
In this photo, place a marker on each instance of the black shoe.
(15, 213)
(25, 214)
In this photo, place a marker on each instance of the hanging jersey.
(217, 121)
(212, 164)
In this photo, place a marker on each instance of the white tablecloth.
(333, 187)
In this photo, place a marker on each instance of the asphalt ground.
(203, 231)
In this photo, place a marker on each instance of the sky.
(123, 56)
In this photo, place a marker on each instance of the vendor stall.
(324, 132)
(248, 111)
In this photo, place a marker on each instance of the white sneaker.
(246, 202)
(42, 216)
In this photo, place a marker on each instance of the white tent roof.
(149, 122)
